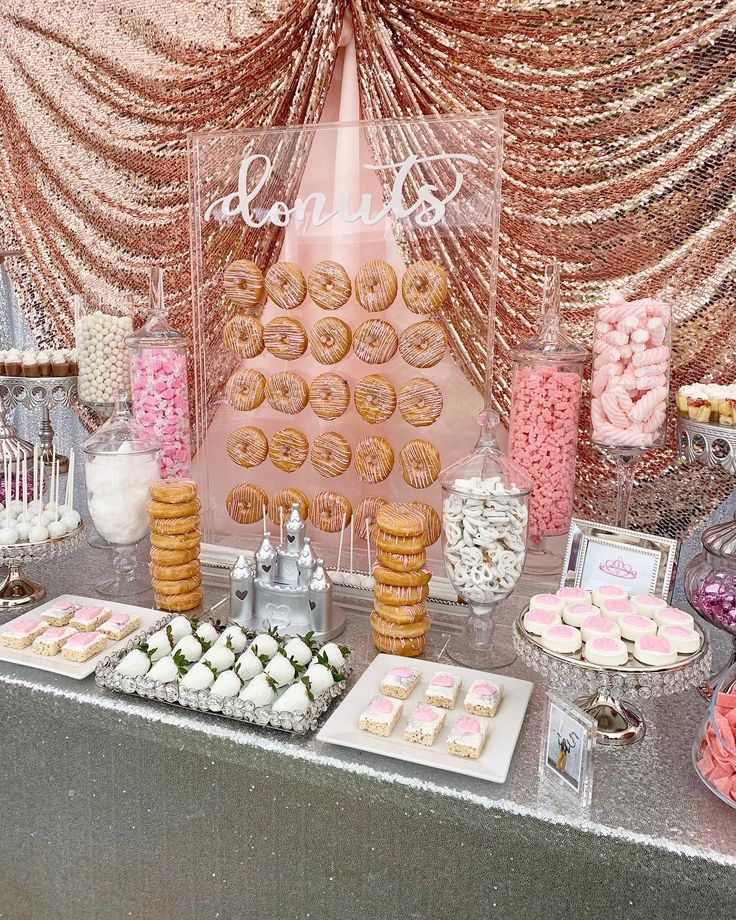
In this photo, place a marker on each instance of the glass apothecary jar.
(121, 460)
(714, 751)
(547, 379)
(101, 330)
(485, 512)
(158, 380)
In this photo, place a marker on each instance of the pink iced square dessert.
(483, 698)
(51, 641)
(59, 613)
(443, 690)
(425, 723)
(21, 633)
(380, 716)
(87, 619)
(467, 737)
(399, 682)
(83, 645)
(119, 626)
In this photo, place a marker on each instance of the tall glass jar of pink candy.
(158, 377)
(543, 428)
(629, 387)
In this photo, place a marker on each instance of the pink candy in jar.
(631, 369)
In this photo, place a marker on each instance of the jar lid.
(156, 331)
(720, 540)
(121, 434)
(551, 343)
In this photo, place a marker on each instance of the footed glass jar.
(158, 379)
(714, 751)
(485, 511)
(101, 330)
(121, 460)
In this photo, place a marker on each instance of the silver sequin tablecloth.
(116, 807)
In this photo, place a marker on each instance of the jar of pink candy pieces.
(544, 423)
(631, 373)
(158, 375)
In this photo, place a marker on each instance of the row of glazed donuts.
(375, 341)
(419, 400)
(423, 285)
(331, 455)
(247, 503)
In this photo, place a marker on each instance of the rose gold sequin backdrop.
(619, 160)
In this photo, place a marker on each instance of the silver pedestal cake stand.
(17, 589)
(603, 689)
(44, 393)
(711, 445)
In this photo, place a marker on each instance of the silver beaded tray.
(203, 701)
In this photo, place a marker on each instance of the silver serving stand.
(17, 589)
(604, 689)
(298, 723)
(713, 446)
(44, 393)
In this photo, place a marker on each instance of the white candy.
(320, 678)
(248, 665)
(165, 670)
(198, 678)
(298, 650)
(24, 529)
(265, 645)
(135, 664)
(220, 657)
(281, 670)
(294, 699)
(102, 359)
(117, 493)
(72, 519)
(227, 684)
(259, 691)
(57, 529)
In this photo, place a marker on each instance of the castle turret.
(242, 591)
(288, 572)
(305, 563)
(320, 598)
(266, 559)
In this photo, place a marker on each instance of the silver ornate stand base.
(708, 687)
(618, 721)
(710, 445)
(42, 393)
(17, 590)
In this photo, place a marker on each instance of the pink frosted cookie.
(83, 645)
(60, 613)
(538, 622)
(399, 682)
(467, 737)
(548, 602)
(633, 626)
(599, 626)
(21, 633)
(657, 651)
(607, 593)
(380, 716)
(443, 690)
(671, 616)
(87, 619)
(647, 604)
(573, 596)
(424, 725)
(483, 698)
(685, 640)
(615, 609)
(606, 651)
(562, 638)
(575, 614)
(50, 642)
(119, 626)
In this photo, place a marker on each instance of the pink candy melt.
(24, 626)
(403, 673)
(53, 632)
(639, 622)
(655, 644)
(674, 615)
(379, 704)
(83, 638)
(87, 613)
(679, 631)
(119, 618)
(542, 616)
(559, 630)
(443, 680)
(424, 714)
(546, 600)
(582, 608)
(601, 624)
(468, 725)
(645, 598)
(484, 689)
(619, 606)
(611, 591)
(571, 592)
(605, 645)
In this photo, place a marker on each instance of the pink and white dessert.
(607, 593)
(615, 609)
(60, 613)
(576, 614)
(399, 682)
(424, 725)
(573, 596)
(562, 638)
(21, 633)
(647, 604)
(87, 619)
(119, 626)
(538, 622)
(633, 626)
(671, 616)
(655, 650)
(549, 602)
(599, 626)
(467, 737)
(606, 651)
(483, 698)
(685, 640)
(381, 716)
(83, 645)
(443, 690)
(50, 642)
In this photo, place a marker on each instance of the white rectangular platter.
(504, 728)
(56, 663)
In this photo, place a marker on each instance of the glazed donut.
(393, 543)
(401, 562)
(243, 284)
(415, 578)
(174, 526)
(410, 614)
(420, 402)
(432, 522)
(285, 285)
(375, 398)
(401, 520)
(329, 396)
(400, 596)
(424, 287)
(287, 392)
(245, 503)
(173, 490)
(247, 446)
(420, 463)
(288, 450)
(375, 286)
(189, 540)
(400, 645)
(167, 557)
(179, 603)
(331, 454)
(367, 509)
(329, 285)
(375, 341)
(403, 630)
(172, 510)
(374, 459)
(423, 344)
(246, 390)
(167, 588)
(174, 572)
(329, 340)
(285, 338)
(327, 511)
(243, 334)
(281, 502)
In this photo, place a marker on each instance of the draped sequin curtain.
(619, 157)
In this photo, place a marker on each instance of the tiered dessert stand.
(713, 446)
(44, 393)
(17, 589)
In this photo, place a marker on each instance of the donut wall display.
(325, 372)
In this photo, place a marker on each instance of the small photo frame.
(599, 554)
(567, 751)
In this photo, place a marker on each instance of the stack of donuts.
(399, 620)
(173, 510)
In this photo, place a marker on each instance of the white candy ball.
(8, 536)
(23, 528)
(37, 534)
(71, 520)
(57, 529)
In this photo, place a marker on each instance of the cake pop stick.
(16, 451)
(25, 485)
(265, 531)
(368, 541)
(339, 548)
(6, 469)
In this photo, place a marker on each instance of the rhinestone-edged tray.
(203, 701)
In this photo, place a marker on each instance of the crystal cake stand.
(44, 393)
(618, 721)
(17, 590)
(712, 445)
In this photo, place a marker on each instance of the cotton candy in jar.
(121, 460)
(158, 375)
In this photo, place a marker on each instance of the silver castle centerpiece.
(289, 587)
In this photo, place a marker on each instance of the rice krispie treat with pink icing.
(483, 698)
(60, 613)
(83, 645)
(119, 626)
(424, 725)
(380, 716)
(467, 737)
(89, 618)
(400, 681)
(443, 690)
(21, 633)
(51, 641)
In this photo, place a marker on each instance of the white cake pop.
(16, 507)
(71, 519)
(24, 529)
(37, 534)
(35, 505)
(56, 529)
(8, 536)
